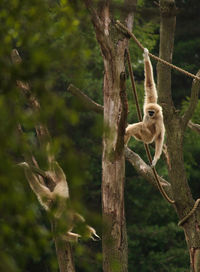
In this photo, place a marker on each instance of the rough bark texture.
(113, 45)
(175, 127)
(64, 252)
(113, 162)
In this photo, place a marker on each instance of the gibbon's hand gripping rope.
(140, 119)
(122, 27)
(184, 219)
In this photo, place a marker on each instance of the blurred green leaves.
(47, 35)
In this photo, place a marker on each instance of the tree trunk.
(64, 255)
(113, 45)
(175, 128)
(63, 251)
(113, 162)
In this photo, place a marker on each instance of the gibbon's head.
(153, 111)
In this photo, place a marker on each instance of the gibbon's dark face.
(151, 113)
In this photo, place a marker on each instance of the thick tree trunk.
(113, 45)
(175, 127)
(113, 162)
(64, 255)
(63, 251)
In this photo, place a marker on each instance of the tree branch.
(94, 15)
(129, 7)
(195, 127)
(101, 21)
(146, 171)
(87, 102)
(41, 130)
(193, 100)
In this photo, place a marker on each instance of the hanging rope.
(182, 221)
(122, 27)
(140, 119)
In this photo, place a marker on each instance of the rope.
(153, 56)
(140, 119)
(184, 219)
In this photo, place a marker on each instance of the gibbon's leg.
(158, 148)
(132, 130)
(78, 217)
(58, 171)
(71, 237)
(127, 137)
(90, 231)
(40, 190)
(139, 131)
(149, 84)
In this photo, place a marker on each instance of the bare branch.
(41, 130)
(146, 171)
(130, 7)
(195, 127)
(193, 100)
(94, 15)
(24, 86)
(15, 56)
(87, 102)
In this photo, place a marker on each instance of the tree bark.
(175, 126)
(113, 161)
(113, 45)
(63, 252)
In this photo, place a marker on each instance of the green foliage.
(156, 243)
(48, 37)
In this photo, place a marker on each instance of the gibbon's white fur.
(43, 193)
(60, 194)
(151, 129)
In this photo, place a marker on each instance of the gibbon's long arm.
(42, 192)
(149, 84)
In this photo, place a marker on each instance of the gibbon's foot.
(153, 164)
(92, 234)
(71, 237)
(146, 53)
(23, 164)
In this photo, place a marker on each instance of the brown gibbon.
(151, 129)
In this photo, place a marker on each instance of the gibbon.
(55, 200)
(151, 129)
